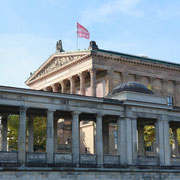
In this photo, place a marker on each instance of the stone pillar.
(72, 85)
(109, 83)
(134, 139)
(99, 140)
(129, 148)
(75, 138)
(50, 136)
(63, 87)
(55, 135)
(55, 87)
(30, 133)
(121, 144)
(82, 83)
(141, 148)
(106, 137)
(126, 142)
(4, 121)
(93, 82)
(162, 140)
(22, 135)
(176, 143)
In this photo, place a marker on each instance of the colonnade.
(130, 144)
(72, 81)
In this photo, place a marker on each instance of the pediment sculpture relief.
(56, 63)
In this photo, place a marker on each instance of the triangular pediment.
(55, 62)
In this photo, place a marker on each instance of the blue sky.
(29, 30)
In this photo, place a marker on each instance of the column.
(30, 133)
(50, 136)
(82, 83)
(121, 146)
(93, 82)
(109, 83)
(129, 148)
(126, 141)
(106, 137)
(141, 148)
(55, 135)
(22, 135)
(162, 140)
(99, 140)
(63, 87)
(134, 139)
(75, 138)
(4, 121)
(55, 87)
(72, 85)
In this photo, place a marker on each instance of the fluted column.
(93, 82)
(4, 121)
(50, 136)
(22, 135)
(162, 140)
(30, 133)
(55, 87)
(72, 85)
(63, 87)
(99, 140)
(82, 83)
(75, 138)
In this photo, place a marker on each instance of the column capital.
(50, 110)
(81, 74)
(100, 115)
(4, 115)
(76, 113)
(23, 108)
(92, 70)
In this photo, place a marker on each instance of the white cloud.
(109, 8)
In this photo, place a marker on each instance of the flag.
(82, 32)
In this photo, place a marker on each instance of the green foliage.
(13, 125)
(149, 135)
(39, 133)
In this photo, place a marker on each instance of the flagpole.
(77, 38)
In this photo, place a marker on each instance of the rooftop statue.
(59, 47)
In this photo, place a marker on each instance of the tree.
(39, 133)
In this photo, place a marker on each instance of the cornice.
(134, 61)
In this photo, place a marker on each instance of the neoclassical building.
(101, 101)
(95, 72)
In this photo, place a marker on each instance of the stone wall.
(90, 174)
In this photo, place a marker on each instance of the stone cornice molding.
(135, 61)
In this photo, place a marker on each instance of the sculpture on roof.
(59, 47)
(93, 45)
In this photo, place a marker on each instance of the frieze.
(56, 63)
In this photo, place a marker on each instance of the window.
(170, 101)
(115, 138)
